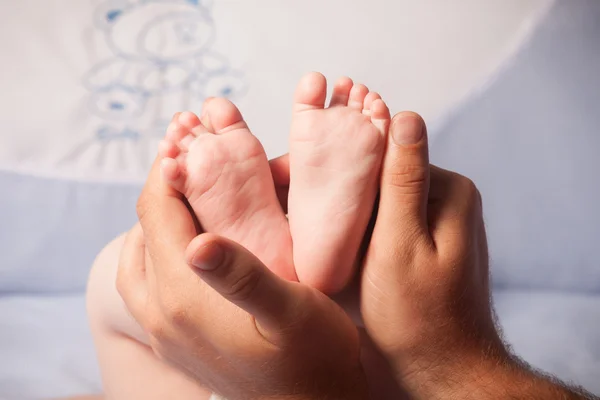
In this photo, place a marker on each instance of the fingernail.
(209, 257)
(407, 129)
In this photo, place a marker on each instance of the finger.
(405, 182)
(168, 227)
(280, 170)
(241, 278)
(131, 274)
(439, 183)
(454, 211)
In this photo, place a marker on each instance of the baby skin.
(222, 170)
(335, 158)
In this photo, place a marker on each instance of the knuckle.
(458, 257)
(469, 187)
(470, 195)
(178, 316)
(176, 311)
(243, 287)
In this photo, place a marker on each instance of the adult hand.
(230, 323)
(425, 287)
(425, 292)
(425, 296)
(424, 283)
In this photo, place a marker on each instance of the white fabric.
(93, 83)
(46, 348)
(88, 86)
(553, 330)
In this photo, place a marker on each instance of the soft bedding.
(71, 167)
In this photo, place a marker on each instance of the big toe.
(224, 115)
(311, 92)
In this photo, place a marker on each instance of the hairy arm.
(496, 375)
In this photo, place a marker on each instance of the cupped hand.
(218, 314)
(425, 297)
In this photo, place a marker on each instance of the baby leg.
(129, 368)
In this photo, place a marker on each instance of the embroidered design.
(162, 61)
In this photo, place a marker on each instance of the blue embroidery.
(106, 133)
(113, 14)
(162, 61)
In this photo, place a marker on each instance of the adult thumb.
(405, 181)
(241, 278)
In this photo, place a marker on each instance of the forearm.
(519, 381)
(334, 395)
(497, 377)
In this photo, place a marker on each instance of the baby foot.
(225, 176)
(335, 158)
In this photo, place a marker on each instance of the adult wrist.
(457, 372)
(488, 375)
(360, 395)
(353, 389)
